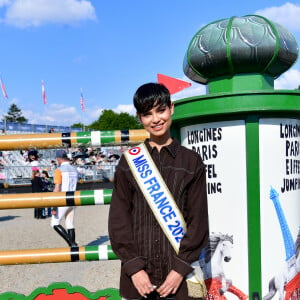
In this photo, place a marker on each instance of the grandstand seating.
(15, 168)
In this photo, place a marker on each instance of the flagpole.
(4, 95)
(44, 98)
(44, 93)
(82, 106)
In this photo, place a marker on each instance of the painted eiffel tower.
(287, 236)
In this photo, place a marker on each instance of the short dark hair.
(33, 153)
(46, 173)
(149, 95)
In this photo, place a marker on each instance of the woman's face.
(157, 121)
(32, 157)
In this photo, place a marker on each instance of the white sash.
(161, 202)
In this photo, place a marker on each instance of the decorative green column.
(248, 135)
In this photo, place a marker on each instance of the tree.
(109, 120)
(15, 115)
(77, 125)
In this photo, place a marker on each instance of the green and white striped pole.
(72, 139)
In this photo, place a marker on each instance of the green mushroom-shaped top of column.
(226, 53)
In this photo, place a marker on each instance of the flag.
(172, 84)
(3, 89)
(81, 101)
(44, 93)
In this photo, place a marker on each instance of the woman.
(47, 182)
(48, 186)
(33, 158)
(37, 187)
(150, 267)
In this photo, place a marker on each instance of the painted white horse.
(212, 257)
(290, 270)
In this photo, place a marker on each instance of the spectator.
(53, 165)
(47, 182)
(37, 187)
(2, 173)
(48, 186)
(33, 158)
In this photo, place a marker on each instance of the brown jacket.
(135, 235)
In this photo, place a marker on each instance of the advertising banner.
(279, 144)
(222, 148)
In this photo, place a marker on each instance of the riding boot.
(63, 233)
(71, 233)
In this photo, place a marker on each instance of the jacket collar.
(172, 148)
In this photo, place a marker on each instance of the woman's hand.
(142, 283)
(171, 284)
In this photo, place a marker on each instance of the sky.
(104, 50)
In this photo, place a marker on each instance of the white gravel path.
(19, 230)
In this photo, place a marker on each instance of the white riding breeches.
(68, 212)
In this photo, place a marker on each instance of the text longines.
(204, 142)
